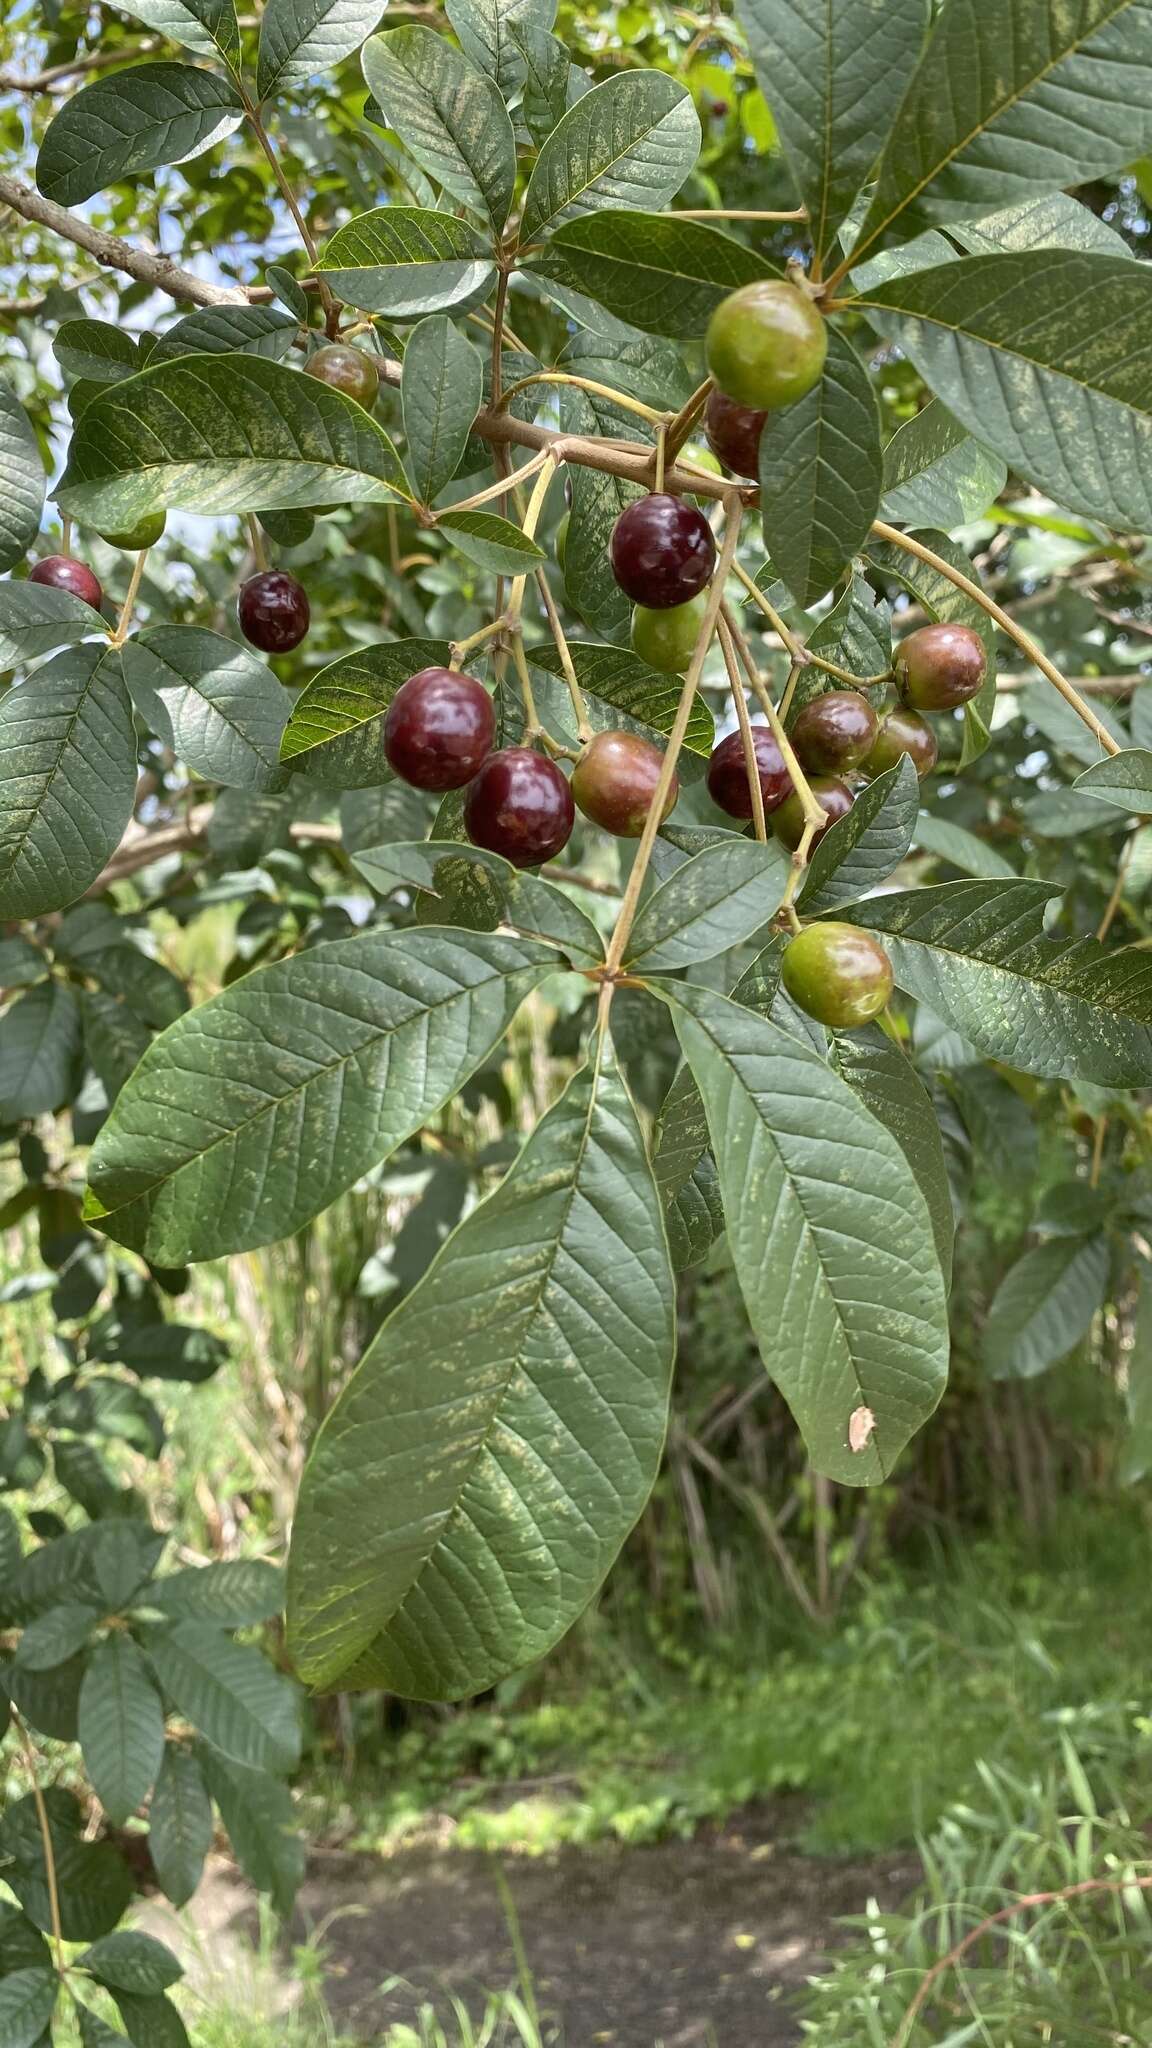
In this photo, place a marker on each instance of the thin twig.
(681, 424)
(116, 254)
(1115, 898)
(29, 1755)
(124, 622)
(761, 1514)
(583, 724)
(620, 398)
(751, 765)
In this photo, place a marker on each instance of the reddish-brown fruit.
(835, 799)
(273, 611)
(834, 731)
(733, 433)
(519, 805)
(438, 729)
(902, 733)
(64, 572)
(662, 551)
(346, 369)
(938, 667)
(615, 780)
(728, 773)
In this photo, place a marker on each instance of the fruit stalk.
(795, 648)
(736, 684)
(124, 622)
(583, 724)
(681, 424)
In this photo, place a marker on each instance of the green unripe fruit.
(837, 973)
(766, 344)
(562, 542)
(144, 534)
(666, 639)
(939, 667)
(346, 369)
(835, 800)
(903, 734)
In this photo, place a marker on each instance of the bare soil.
(673, 1945)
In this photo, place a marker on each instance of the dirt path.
(630, 1947)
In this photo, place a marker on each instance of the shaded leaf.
(95, 350)
(22, 480)
(526, 900)
(179, 1824)
(448, 114)
(27, 2002)
(960, 848)
(258, 1814)
(232, 1594)
(940, 598)
(39, 1041)
(860, 850)
(229, 330)
(441, 389)
(885, 1079)
(935, 474)
(1045, 1305)
(713, 901)
(821, 467)
(34, 619)
(151, 114)
(231, 1693)
(221, 710)
(660, 273)
(491, 542)
(131, 1961)
(335, 731)
(121, 1727)
(67, 779)
(1123, 780)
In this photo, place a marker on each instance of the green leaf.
(528, 901)
(151, 2022)
(886, 1081)
(646, 367)
(232, 1594)
(1053, 220)
(935, 474)
(34, 619)
(1123, 780)
(229, 330)
(856, 634)
(258, 1814)
(1067, 733)
(713, 901)
(405, 261)
(622, 694)
(179, 1824)
(821, 468)
(1045, 1305)
(211, 1147)
(38, 1046)
(54, 1637)
(186, 433)
(833, 76)
(546, 71)
(852, 856)
(166, 1351)
(94, 1883)
(504, 1430)
(95, 2032)
(335, 731)
(441, 389)
(491, 542)
(830, 1235)
(1010, 99)
(95, 351)
(131, 1961)
(221, 710)
(449, 115)
(67, 779)
(48, 1700)
(630, 142)
(299, 38)
(22, 479)
(976, 953)
(22, 1946)
(207, 26)
(149, 115)
(232, 1694)
(961, 848)
(940, 598)
(1047, 357)
(660, 273)
(694, 1215)
(121, 1727)
(487, 30)
(27, 2002)
(21, 964)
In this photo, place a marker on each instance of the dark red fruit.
(728, 773)
(938, 667)
(273, 611)
(63, 572)
(346, 369)
(615, 780)
(902, 733)
(733, 433)
(519, 805)
(438, 729)
(841, 975)
(835, 799)
(662, 551)
(834, 731)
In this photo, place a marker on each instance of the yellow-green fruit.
(666, 639)
(766, 344)
(144, 534)
(838, 973)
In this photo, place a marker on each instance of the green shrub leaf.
(121, 1727)
(715, 900)
(151, 114)
(448, 114)
(220, 709)
(1044, 1305)
(300, 38)
(406, 261)
(179, 1824)
(862, 849)
(660, 273)
(232, 1694)
(936, 474)
(22, 480)
(630, 142)
(441, 390)
(821, 470)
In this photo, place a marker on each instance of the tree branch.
(116, 254)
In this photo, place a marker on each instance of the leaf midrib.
(540, 225)
(66, 741)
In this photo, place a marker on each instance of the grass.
(879, 1726)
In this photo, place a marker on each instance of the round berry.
(766, 344)
(835, 800)
(144, 534)
(834, 731)
(734, 433)
(615, 780)
(667, 639)
(938, 667)
(346, 369)
(273, 611)
(837, 973)
(662, 551)
(63, 572)
(902, 733)
(438, 729)
(519, 805)
(728, 773)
